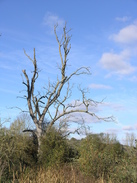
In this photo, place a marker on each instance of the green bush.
(99, 159)
(54, 149)
(16, 152)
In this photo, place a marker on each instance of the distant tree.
(130, 139)
(21, 122)
(40, 105)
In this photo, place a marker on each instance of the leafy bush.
(16, 152)
(99, 159)
(54, 149)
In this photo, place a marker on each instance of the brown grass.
(65, 174)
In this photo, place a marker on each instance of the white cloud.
(126, 35)
(117, 63)
(128, 128)
(100, 86)
(112, 130)
(123, 19)
(135, 126)
(116, 106)
(51, 20)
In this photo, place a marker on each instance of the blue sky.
(104, 37)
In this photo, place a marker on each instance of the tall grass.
(64, 174)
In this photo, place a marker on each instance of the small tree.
(40, 105)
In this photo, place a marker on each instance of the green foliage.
(74, 148)
(54, 149)
(16, 151)
(99, 159)
(98, 156)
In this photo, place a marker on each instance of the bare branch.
(84, 70)
(18, 108)
(28, 56)
(58, 44)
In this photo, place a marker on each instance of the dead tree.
(39, 105)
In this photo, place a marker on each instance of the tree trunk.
(39, 133)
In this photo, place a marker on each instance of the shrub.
(99, 159)
(16, 152)
(54, 149)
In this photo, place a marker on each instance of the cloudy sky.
(104, 37)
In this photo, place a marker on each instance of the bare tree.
(40, 105)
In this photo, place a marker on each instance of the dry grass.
(66, 174)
